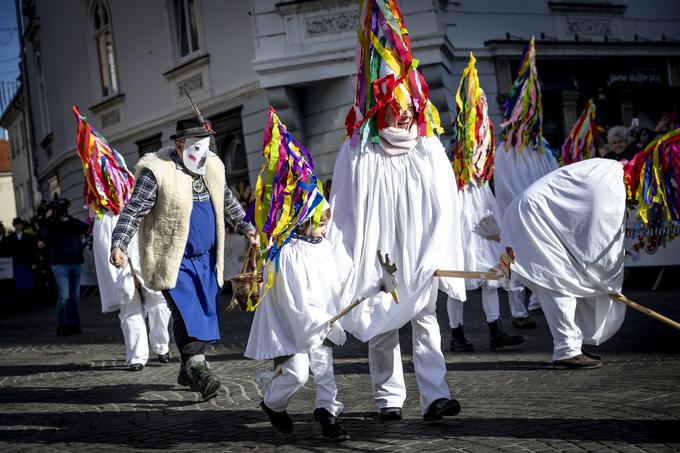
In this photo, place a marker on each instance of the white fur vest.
(164, 231)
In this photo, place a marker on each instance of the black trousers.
(188, 346)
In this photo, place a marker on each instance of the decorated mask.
(196, 152)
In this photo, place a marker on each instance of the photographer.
(61, 237)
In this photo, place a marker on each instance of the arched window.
(101, 21)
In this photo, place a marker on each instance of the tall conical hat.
(523, 120)
(474, 143)
(386, 73)
(580, 143)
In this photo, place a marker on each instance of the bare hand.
(41, 245)
(253, 238)
(117, 258)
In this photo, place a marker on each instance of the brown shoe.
(591, 355)
(580, 362)
(523, 323)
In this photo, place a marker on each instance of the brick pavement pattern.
(75, 393)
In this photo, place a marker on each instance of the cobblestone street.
(75, 393)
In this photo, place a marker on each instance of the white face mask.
(196, 152)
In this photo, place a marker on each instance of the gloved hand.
(336, 335)
(488, 228)
(388, 281)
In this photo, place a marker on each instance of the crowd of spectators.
(46, 254)
(623, 143)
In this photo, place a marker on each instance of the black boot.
(330, 430)
(458, 341)
(280, 420)
(500, 339)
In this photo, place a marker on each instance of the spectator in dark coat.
(21, 246)
(61, 236)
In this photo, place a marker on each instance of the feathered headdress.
(580, 143)
(287, 192)
(386, 73)
(474, 142)
(523, 123)
(108, 182)
(652, 180)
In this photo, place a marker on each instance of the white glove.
(488, 228)
(264, 378)
(336, 335)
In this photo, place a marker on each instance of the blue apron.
(195, 292)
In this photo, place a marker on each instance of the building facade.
(126, 64)
(8, 210)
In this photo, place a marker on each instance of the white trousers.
(490, 305)
(294, 374)
(132, 324)
(560, 313)
(387, 373)
(516, 303)
(534, 304)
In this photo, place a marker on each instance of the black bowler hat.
(191, 127)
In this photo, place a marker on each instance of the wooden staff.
(645, 310)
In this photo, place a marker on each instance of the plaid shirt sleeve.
(234, 213)
(140, 204)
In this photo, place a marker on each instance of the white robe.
(571, 219)
(117, 292)
(479, 254)
(293, 315)
(514, 172)
(407, 206)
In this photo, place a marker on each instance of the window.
(186, 27)
(44, 114)
(232, 151)
(149, 144)
(101, 19)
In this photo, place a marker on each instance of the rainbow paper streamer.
(474, 143)
(382, 36)
(580, 143)
(286, 193)
(108, 182)
(652, 181)
(523, 123)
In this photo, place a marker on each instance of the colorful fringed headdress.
(108, 182)
(474, 142)
(652, 180)
(523, 120)
(386, 73)
(287, 193)
(580, 143)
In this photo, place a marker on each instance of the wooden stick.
(347, 309)
(645, 310)
(467, 274)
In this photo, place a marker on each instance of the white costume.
(513, 173)
(480, 254)
(292, 320)
(566, 223)
(405, 205)
(117, 292)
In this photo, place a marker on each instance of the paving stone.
(75, 394)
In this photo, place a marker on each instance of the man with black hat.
(180, 204)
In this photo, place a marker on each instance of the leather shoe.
(441, 408)
(579, 362)
(390, 414)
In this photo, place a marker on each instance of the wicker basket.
(246, 285)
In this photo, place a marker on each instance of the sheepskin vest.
(164, 231)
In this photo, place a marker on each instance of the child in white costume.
(117, 292)
(523, 156)
(291, 326)
(473, 148)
